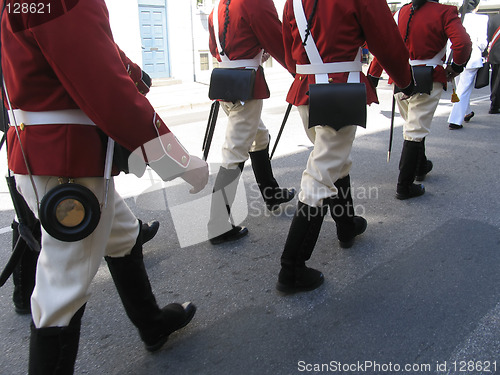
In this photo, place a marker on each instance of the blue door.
(154, 41)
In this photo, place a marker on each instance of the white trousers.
(418, 111)
(329, 160)
(65, 269)
(464, 90)
(245, 132)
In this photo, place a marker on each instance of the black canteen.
(69, 212)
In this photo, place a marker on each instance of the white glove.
(168, 158)
(196, 174)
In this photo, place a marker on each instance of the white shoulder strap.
(317, 65)
(310, 47)
(435, 61)
(225, 61)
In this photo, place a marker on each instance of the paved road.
(420, 288)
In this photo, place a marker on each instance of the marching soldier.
(323, 41)
(245, 29)
(70, 95)
(426, 27)
(23, 274)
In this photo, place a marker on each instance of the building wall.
(187, 34)
(124, 20)
(180, 36)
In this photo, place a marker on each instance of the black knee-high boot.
(149, 230)
(53, 350)
(407, 170)
(132, 283)
(23, 275)
(294, 275)
(271, 192)
(424, 165)
(342, 210)
(220, 226)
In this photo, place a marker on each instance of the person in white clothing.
(476, 26)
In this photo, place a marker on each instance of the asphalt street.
(418, 293)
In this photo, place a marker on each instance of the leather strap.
(317, 67)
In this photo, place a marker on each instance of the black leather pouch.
(423, 79)
(337, 105)
(482, 76)
(231, 85)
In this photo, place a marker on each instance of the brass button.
(21, 126)
(300, 78)
(330, 80)
(158, 123)
(169, 147)
(184, 159)
(137, 83)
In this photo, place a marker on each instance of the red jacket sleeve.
(89, 66)
(267, 27)
(375, 69)
(461, 44)
(135, 72)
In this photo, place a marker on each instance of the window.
(205, 3)
(204, 62)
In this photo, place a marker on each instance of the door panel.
(154, 41)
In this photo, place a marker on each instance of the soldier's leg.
(329, 159)
(242, 126)
(125, 262)
(65, 270)
(420, 109)
(269, 188)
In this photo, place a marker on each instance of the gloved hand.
(453, 70)
(408, 90)
(196, 174)
(169, 159)
(146, 79)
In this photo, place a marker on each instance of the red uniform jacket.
(66, 58)
(339, 28)
(253, 25)
(430, 28)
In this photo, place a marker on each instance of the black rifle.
(391, 134)
(289, 108)
(209, 133)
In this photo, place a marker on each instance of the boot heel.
(308, 280)
(281, 196)
(412, 191)
(153, 344)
